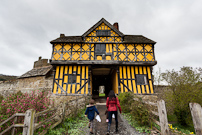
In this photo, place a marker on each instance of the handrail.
(7, 129)
(45, 111)
(13, 116)
(47, 120)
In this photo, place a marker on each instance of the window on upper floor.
(100, 49)
(141, 79)
(103, 32)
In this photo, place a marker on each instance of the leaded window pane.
(103, 32)
(100, 49)
(71, 79)
(141, 79)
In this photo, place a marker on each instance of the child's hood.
(90, 106)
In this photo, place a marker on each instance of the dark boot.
(108, 129)
(91, 130)
(117, 127)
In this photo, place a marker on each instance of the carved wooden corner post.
(196, 112)
(28, 128)
(163, 117)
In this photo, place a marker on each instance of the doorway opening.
(103, 81)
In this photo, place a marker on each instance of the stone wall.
(26, 85)
(72, 104)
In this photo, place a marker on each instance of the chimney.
(62, 35)
(116, 25)
(40, 58)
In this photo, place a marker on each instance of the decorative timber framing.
(103, 45)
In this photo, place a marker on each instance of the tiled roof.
(67, 39)
(137, 39)
(127, 39)
(41, 71)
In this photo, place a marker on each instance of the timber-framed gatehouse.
(102, 56)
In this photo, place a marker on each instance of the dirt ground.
(101, 127)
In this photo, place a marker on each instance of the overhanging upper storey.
(103, 43)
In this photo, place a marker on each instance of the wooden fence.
(31, 123)
(196, 112)
(162, 114)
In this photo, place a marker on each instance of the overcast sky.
(28, 26)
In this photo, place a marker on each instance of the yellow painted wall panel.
(92, 47)
(133, 76)
(99, 57)
(108, 57)
(139, 48)
(64, 87)
(67, 47)
(129, 77)
(143, 89)
(60, 83)
(75, 56)
(151, 87)
(149, 73)
(58, 47)
(121, 88)
(145, 72)
(78, 79)
(120, 72)
(110, 48)
(85, 47)
(125, 82)
(70, 69)
(140, 69)
(140, 57)
(78, 87)
(138, 89)
(149, 56)
(57, 72)
(76, 47)
(107, 48)
(124, 72)
(69, 87)
(83, 77)
(56, 56)
(121, 47)
(79, 70)
(66, 56)
(73, 88)
(148, 48)
(130, 47)
(65, 79)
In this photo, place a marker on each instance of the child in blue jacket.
(90, 111)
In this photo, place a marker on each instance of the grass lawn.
(101, 94)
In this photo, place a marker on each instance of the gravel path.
(100, 128)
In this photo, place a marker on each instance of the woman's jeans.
(110, 116)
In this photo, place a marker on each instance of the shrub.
(1, 98)
(185, 87)
(20, 103)
(141, 113)
(126, 100)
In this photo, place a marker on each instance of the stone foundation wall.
(26, 85)
(72, 104)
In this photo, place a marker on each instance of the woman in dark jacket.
(112, 103)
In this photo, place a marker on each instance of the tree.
(158, 76)
(186, 87)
